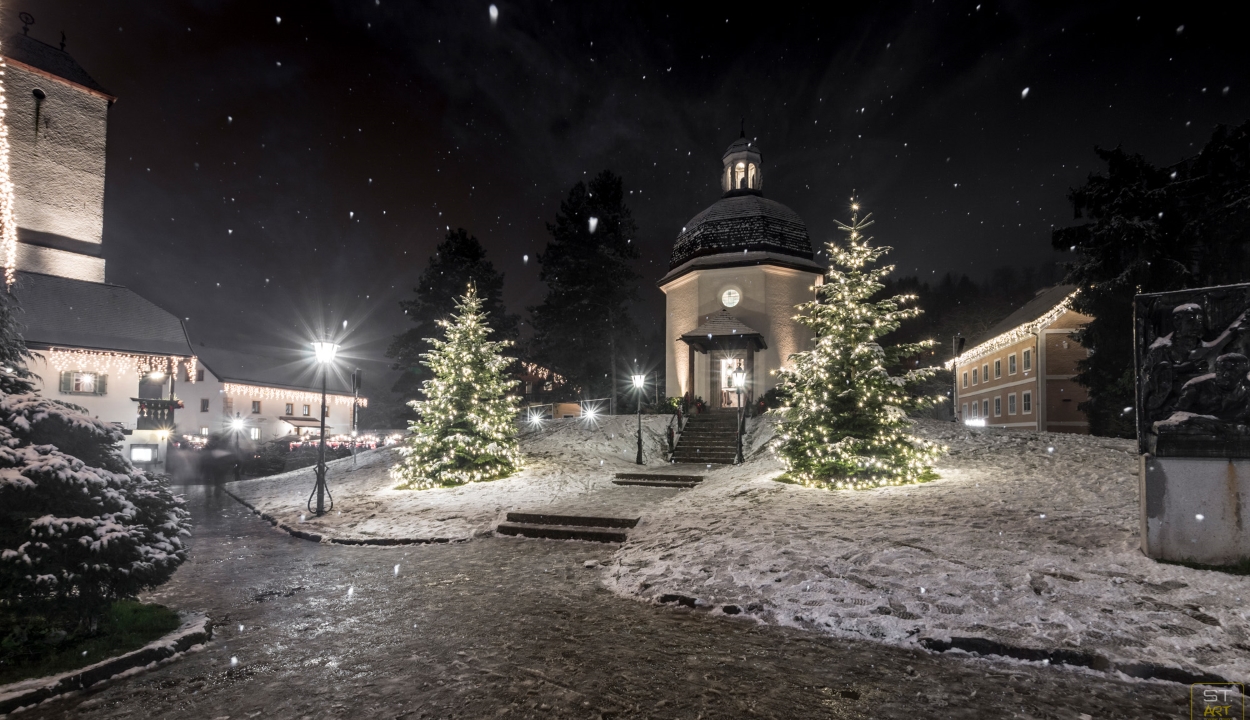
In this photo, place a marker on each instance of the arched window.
(751, 181)
(729, 179)
(740, 176)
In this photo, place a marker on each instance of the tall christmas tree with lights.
(466, 430)
(845, 425)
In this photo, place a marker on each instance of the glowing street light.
(324, 350)
(639, 382)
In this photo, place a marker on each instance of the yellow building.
(1020, 373)
(736, 272)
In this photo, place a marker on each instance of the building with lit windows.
(265, 397)
(735, 275)
(1019, 374)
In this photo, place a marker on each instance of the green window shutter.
(67, 381)
(101, 384)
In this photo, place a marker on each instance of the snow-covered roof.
(281, 368)
(722, 325)
(740, 259)
(64, 312)
(1045, 307)
(746, 221)
(54, 61)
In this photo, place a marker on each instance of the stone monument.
(1193, 423)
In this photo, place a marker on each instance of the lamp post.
(639, 381)
(236, 424)
(324, 351)
(740, 380)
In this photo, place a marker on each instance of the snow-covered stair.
(566, 527)
(657, 480)
(710, 438)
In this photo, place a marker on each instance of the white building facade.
(737, 271)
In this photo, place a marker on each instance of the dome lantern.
(743, 171)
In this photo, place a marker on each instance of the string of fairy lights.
(260, 392)
(1014, 335)
(62, 359)
(8, 231)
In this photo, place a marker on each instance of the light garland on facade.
(1014, 335)
(103, 362)
(8, 230)
(301, 396)
(538, 371)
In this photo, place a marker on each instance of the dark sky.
(266, 177)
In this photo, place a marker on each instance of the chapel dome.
(743, 219)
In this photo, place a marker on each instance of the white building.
(736, 273)
(269, 397)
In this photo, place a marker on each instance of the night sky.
(277, 166)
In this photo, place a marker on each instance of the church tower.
(735, 274)
(57, 121)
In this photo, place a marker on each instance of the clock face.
(730, 297)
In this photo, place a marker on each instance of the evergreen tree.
(466, 426)
(1150, 229)
(583, 326)
(79, 525)
(845, 424)
(458, 261)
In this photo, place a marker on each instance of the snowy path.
(1027, 540)
(522, 629)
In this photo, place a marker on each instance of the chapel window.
(740, 176)
(751, 177)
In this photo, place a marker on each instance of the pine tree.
(845, 425)
(583, 327)
(458, 261)
(466, 426)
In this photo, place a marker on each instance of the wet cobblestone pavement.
(501, 627)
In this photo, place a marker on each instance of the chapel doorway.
(728, 392)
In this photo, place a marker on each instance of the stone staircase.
(709, 438)
(657, 480)
(566, 527)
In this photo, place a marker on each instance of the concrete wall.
(1195, 509)
(57, 169)
(769, 295)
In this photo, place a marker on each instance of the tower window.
(740, 176)
(752, 181)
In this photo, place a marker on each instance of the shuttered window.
(74, 382)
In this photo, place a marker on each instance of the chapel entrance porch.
(731, 346)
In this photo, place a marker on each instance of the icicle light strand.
(271, 393)
(103, 362)
(8, 230)
(1014, 335)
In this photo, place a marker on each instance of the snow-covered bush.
(79, 525)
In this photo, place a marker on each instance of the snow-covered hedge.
(79, 525)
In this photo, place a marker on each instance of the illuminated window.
(1026, 402)
(1028, 361)
(84, 383)
(142, 453)
(254, 433)
(1011, 364)
(730, 298)
(1011, 403)
(751, 177)
(204, 431)
(307, 410)
(740, 176)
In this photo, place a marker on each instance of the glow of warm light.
(975, 422)
(639, 381)
(740, 379)
(325, 351)
(157, 375)
(104, 362)
(237, 424)
(8, 227)
(1014, 335)
(301, 396)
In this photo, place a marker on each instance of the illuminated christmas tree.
(466, 431)
(846, 423)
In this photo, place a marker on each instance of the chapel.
(736, 273)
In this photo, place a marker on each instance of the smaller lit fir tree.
(466, 426)
(846, 423)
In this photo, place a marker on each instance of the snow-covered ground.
(1029, 540)
(566, 461)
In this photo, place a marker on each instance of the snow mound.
(1027, 539)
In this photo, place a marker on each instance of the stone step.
(656, 483)
(719, 459)
(562, 532)
(676, 477)
(579, 520)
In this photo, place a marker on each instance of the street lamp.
(236, 424)
(324, 351)
(740, 381)
(639, 381)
